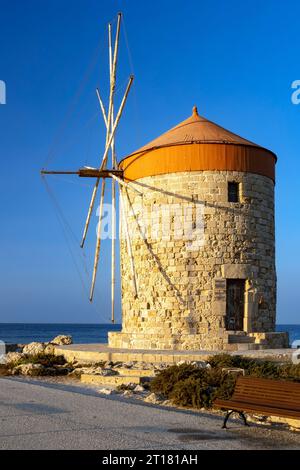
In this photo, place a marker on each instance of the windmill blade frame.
(102, 172)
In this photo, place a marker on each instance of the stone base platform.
(90, 353)
(227, 341)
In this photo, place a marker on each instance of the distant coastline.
(81, 332)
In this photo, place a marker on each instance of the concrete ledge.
(136, 372)
(91, 353)
(112, 380)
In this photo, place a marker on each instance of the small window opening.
(233, 192)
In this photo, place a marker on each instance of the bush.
(190, 392)
(222, 360)
(257, 367)
(166, 379)
(47, 360)
(201, 392)
(290, 372)
(225, 360)
(265, 369)
(187, 385)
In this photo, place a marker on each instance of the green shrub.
(264, 369)
(200, 392)
(226, 360)
(253, 367)
(166, 379)
(221, 360)
(290, 372)
(226, 387)
(190, 392)
(187, 385)
(47, 360)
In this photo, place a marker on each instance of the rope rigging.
(69, 234)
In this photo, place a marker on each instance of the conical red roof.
(196, 129)
(198, 144)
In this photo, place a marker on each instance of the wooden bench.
(262, 396)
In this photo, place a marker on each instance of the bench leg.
(226, 418)
(243, 417)
(229, 413)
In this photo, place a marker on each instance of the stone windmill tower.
(200, 273)
(198, 252)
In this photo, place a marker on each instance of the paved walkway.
(41, 415)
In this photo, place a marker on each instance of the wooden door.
(235, 304)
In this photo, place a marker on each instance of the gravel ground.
(39, 414)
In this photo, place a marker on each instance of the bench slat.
(268, 398)
(261, 409)
(280, 398)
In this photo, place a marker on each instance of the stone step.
(236, 333)
(233, 339)
(114, 380)
(136, 372)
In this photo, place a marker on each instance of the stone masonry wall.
(181, 273)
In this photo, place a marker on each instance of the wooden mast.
(108, 144)
(113, 194)
(109, 140)
(101, 106)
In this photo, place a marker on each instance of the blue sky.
(235, 60)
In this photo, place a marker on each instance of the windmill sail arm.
(87, 172)
(51, 172)
(111, 136)
(96, 173)
(102, 107)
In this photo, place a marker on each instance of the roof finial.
(195, 111)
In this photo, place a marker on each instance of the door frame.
(243, 320)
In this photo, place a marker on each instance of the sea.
(82, 333)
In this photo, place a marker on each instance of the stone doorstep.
(234, 339)
(114, 380)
